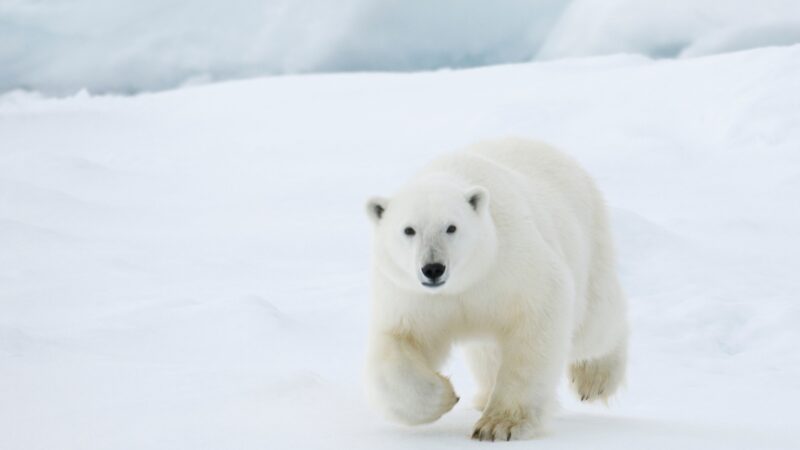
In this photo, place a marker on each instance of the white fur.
(530, 284)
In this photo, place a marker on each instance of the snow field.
(188, 269)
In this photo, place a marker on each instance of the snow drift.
(61, 46)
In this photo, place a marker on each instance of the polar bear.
(504, 247)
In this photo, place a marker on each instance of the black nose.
(433, 270)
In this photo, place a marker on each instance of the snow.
(188, 269)
(122, 46)
(671, 28)
(61, 46)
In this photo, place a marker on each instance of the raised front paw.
(505, 426)
(421, 401)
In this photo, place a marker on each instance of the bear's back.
(537, 162)
(526, 167)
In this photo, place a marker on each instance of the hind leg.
(484, 360)
(600, 346)
(599, 378)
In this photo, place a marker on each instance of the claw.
(476, 434)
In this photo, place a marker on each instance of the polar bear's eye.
(451, 229)
(409, 231)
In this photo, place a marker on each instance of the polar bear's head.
(435, 236)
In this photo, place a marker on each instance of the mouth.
(432, 284)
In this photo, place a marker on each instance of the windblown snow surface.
(189, 269)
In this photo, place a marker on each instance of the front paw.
(506, 426)
(421, 401)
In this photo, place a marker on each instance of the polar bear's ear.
(478, 198)
(376, 206)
